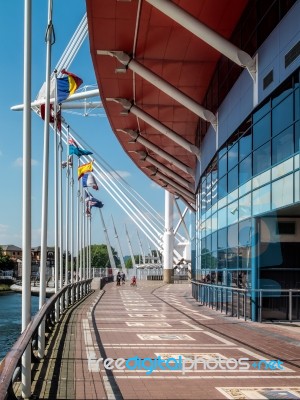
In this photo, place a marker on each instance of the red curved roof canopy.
(167, 49)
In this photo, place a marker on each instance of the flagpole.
(71, 229)
(90, 246)
(67, 222)
(56, 189)
(83, 244)
(78, 237)
(26, 200)
(60, 219)
(44, 222)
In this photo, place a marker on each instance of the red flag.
(51, 116)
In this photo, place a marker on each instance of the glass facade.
(254, 173)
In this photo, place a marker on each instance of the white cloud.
(122, 174)
(19, 162)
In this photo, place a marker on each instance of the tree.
(6, 263)
(100, 257)
(128, 263)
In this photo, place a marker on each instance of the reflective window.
(297, 186)
(233, 213)
(222, 187)
(245, 207)
(233, 235)
(261, 200)
(245, 170)
(261, 112)
(233, 156)
(282, 115)
(245, 144)
(262, 131)
(222, 168)
(233, 179)
(222, 259)
(282, 145)
(297, 136)
(222, 238)
(262, 158)
(245, 233)
(282, 191)
(297, 104)
(222, 218)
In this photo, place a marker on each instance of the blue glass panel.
(282, 115)
(222, 239)
(222, 187)
(245, 233)
(262, 131)
(245, 145)
(262, 158)
(245, 170)
(297, 104)
(222, 167)
(261, 112)
(233, 179)
(233, 156)
(297, 137)
(282, 145)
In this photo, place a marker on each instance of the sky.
(95, 130)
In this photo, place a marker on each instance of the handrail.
(244, 289)
(11, 360)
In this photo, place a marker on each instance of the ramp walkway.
(223, 357)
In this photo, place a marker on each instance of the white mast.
(110, 254)
(119, 246)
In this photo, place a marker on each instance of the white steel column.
(206, 34)
(26, 200)
(44, 222)
(168, 239)
(138, 112)
(56, 224)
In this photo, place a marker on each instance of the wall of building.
(240, 101)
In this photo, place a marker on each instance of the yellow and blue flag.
(67, 85)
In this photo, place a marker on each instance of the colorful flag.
(65, 163)
(92, 202)
(72, 141)
(77, 151)
(88, 180)
(84, 168)
(67, 85)
(51, 116)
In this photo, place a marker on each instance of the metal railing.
(10, 367)
(268, 304)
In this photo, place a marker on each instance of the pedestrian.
(119, 278)
(123, 278)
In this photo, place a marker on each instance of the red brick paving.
(114, 327)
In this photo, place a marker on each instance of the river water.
(10, 319)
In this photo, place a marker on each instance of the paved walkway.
(157, 321)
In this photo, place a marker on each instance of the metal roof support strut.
(163, 85)
(206, 34)
(136, 136)
(138, 112)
